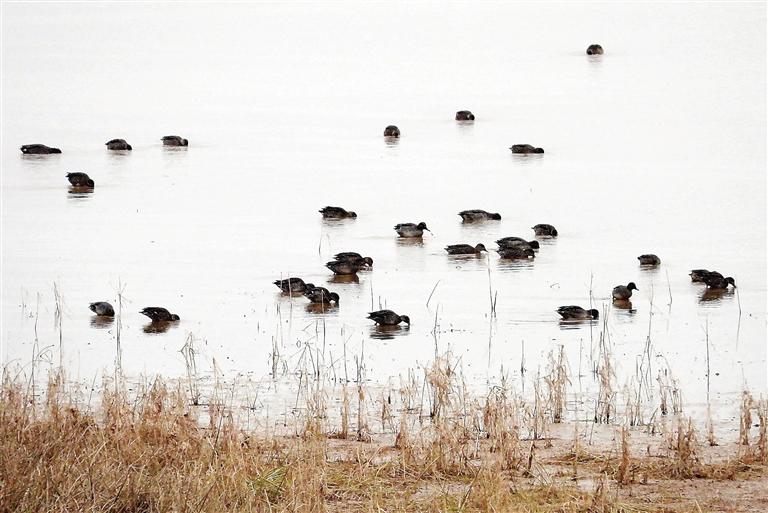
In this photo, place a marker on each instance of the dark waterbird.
(174, 140)
(464, 249)
(649, 259)
(544, 230)
(321, 295)
(411, 230)
(624, 292)
(516, 253)
(594, 50)
(517, 242)
(716, 281)
(525, 149)
(118, 144)
(102, 308)
(291, 285)
(388, 318)
(475, 215)
(345, 267)
(698, 275)
(38, 149)
(80, 180)
(465, 115)
(574, 313)
(391, 131)
(336, 213)
(355, 258)
(159, 314)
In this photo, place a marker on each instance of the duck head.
(368, 261)
(423, 226)
(496, 217)
(632, 286)
(534, 244)
(594, 313)
(405, 319)
(480, 247)
(175, 317)
(334, 297)
(731, 281)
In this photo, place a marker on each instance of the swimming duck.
(174, 140)
(411, 230)
(715, 280)
(355, 258)
(465, 115)
(391, 131)
(525, 149)
(321, 295)
(464, 249)
(336, 213)
(544, 230)
(698, 275)
(290, 285)
(38, 149)
(516, 253)
(471, 216)
(118, 144)
(574, 312)
(594, 50)
(80, 180)
(388, 318)
(159, 314)
(622, 292)
(649, 259)
(102, 308)
(344, 267)
(511, 242)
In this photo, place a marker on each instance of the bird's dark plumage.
(355, 258)
(512, 242)
(159, 314)
(715, 280)
(391, 131)
(174, 140)
(38, 149)
(290, 285)
(474, 215)
(465, 115)
(118, 144)
(80, 180)
(345, 267)
(594, 50)
(336, 213)
(544, 230)
(698, 275)
(649, 259)
(573, 312)
(388, 318)
(525, 149)
(321, 295)
(411, 230)
(516, 253)
(102, 308)
(464, 249)
(624, 292)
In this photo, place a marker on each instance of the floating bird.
(159, 314)
(649, 259)
(544, 230)
(594, 50)
(80, 180)
(321, 295)
(102, 308)
(464, 249)
(471, 216)
(38, 149)
(118, 144)
(355, 258)
(465, 115)
(336, 213)
(525, 149)
(345, 267)
(174, 140)
(698, 275)
(622, 292)
(290, 285)
(391, 131)
(511, 242)
(574, 312)
(715, 280)
(388, 318)
(411, 230)
(516, 253)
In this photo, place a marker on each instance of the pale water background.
(658, 146)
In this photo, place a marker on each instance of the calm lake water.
(659, 146)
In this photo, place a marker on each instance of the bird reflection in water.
(322, 308)
(79, 191)
(576, 324)
(344, 278)
(624, 304)
(159, 326)
(382, 332)
(715, 295)
(515, 265)
(102, 322)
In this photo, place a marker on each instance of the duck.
(388, 318)
(716, 281)
(102, 309)
(411, 230)
(474, 215)
(465, 249)
(38, 149)
(511, 242)
(624, 292)
(345, 267)
(159, 314)
(290, 285)
(525, 149)
(336, 213)
(118, 144)
(465, 115)
(573, 312)
(544, 230)
(594, 49)
(697, 275)
(174, 140)
(516, 253)
(321, 295)
(80, 180)
(391, 131)
(649, 259)
(355, 258)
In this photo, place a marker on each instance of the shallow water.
(659, 146)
